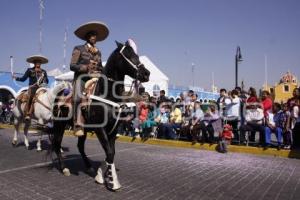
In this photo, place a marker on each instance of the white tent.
(68, 76)
(54, 72)
(157, 81)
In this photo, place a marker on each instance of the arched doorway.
(6, 93)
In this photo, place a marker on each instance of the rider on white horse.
(37, 106)
(36, 76)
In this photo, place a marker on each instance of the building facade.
(10, 88)
(283, 90)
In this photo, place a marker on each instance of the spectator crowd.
(237, 117)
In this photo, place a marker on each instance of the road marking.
(67, 159)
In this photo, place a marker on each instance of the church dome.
(288, 78)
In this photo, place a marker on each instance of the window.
(286, 88)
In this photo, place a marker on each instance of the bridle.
(135, 82)
(135, 66)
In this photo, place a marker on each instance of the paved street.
(146, 172)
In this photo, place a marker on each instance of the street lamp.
(238, 58)
(193, 68)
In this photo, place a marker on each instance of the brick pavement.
(147, 172)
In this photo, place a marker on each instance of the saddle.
(35, 99)
(66, 99)
(23, 97)
(90, 86)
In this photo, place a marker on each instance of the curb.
(232, 148)
(183, 144)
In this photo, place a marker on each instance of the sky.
(175, 35)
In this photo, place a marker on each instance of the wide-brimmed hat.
(37, 58)
(99, 28)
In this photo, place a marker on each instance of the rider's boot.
(78, 123)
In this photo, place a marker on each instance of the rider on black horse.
(86, 59)
(37, 76)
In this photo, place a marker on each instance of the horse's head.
(127, 62)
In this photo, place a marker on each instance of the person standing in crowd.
(86, 59)
(162, 98)
(295, 119)
(37, 76)
(221, 102)
(252, 96)
(243, 97)
(188, 108)
(292, 106)
(266, 102)
(293, 100)
(287, 132)
(233, 109)
(275, 122)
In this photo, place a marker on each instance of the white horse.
(42, 113)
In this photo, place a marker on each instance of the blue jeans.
(166, 131)
(278, 133)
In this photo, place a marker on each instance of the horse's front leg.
(80, 146)
(39, 143)
(108, 144)
(58, 132)
(26, 128)
(17, 122)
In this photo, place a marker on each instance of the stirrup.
(78, 132)
(27, 118)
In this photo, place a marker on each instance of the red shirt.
(143, 113)
(252, 100)
(227, 135)
(267, 105)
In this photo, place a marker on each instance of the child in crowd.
(287, 132)
(225, 138)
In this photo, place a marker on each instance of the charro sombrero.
(98, 27)
(37, 58)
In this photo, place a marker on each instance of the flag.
(42, 8)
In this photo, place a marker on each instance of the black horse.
(104, 111)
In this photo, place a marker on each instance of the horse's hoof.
(113, 187)
(99, 179)
(66, 172)
(27, 147)
(39, 150)
(91, 171)
(14, 143)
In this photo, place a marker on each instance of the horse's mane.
(110, 63)
(59, 87)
